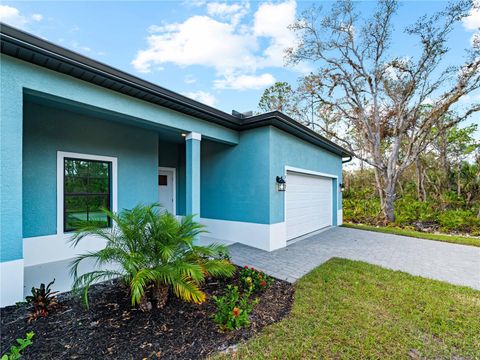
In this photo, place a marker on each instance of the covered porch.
(149, 157)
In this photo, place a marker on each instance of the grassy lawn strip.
(351, 310)
(464, 240)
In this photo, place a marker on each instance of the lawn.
(473, 241)
(351, 310)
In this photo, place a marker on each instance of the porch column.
(193, 173)
(11, 235)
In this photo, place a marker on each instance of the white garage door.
(308, 203)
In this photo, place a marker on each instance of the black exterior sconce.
(281, 184)
(341, 186)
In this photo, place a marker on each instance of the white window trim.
(61, 155)
(174, 180)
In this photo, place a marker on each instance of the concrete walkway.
(456, 264)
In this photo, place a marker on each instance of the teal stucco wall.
(48, 130)
(239, 182)
(287, 150)
(235, 179)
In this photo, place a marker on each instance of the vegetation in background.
(15, 351)
(43, 300)
(352, 310)
(387, 110)
(440, 192)
(454, 239)
(152, 252)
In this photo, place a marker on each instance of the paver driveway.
(456, 264)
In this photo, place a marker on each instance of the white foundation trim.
(267, 237)
(194, 136)
(61, 155)
(339, 217)
(44, 249)
(11, 280)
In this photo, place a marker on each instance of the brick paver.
(456, 264)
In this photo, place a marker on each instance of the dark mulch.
(112, 329)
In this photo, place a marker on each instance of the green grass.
(352, 310)
(464, 240)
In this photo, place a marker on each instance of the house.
(78, 135)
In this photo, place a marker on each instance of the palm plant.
(151, 251)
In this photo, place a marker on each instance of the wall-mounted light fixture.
(281, 184)
(341, 186)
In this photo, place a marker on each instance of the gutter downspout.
(348, 160)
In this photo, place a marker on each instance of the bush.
(409, 210)
(254, 280)
(152, 251)
(459, 220)
(43, 300)
(15, 351)
(233, 309)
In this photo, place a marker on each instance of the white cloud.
(37, 17)
(225, 39)
(202, 96)
(243, 82)
(12, 16)
(272, 21)
(234, 12)
(472, 21)
(200, 40)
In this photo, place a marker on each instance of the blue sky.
(221, 53)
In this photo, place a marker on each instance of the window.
(86, 190)
(162, 180)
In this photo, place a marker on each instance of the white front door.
(166, 189)
(308, 204)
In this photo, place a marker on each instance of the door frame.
(333, 177)
(174, 180)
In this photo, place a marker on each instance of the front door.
(166, 189)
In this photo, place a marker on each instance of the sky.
(223, 54)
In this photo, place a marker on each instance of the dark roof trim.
(286, 123)
(27, 47)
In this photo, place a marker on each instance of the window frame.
(61, 156)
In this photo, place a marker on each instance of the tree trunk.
(378, 183)
(418, 172)
(442, 140)
(388, 205)
(459, 184)
(160, 294)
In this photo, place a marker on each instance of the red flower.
(236, 311)
(263, 283)
(246, 267)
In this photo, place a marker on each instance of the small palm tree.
(151, 251)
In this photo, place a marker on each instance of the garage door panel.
(308, 204)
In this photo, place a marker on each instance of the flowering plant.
(253, 279)
(233, 309)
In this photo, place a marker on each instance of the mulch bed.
(112, 329)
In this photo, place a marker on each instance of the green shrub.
(15, 351)
(460, 220)
(454, 220)
(151, 251)
(233, 309)
(408, 210)
(254, 280)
